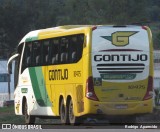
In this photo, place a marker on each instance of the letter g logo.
(120, 38)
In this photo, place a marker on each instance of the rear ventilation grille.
(120, 68)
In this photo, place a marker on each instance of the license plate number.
(121, 106)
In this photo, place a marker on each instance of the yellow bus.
(80, 71)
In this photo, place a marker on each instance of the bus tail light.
(149, 93)
(90, 94)
(144, 27)
(94, 28)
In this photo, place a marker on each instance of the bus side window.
(54, 51)
(36, 57)
(45, 52)
(47, 56)
(73, 56)
(29, 54)
(26, 62)
(73, 49)
(76, 47)
(79, 45)
(64, 50)
(17, 64)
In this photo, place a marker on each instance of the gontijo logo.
(120, 38)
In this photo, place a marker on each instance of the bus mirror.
(9, 63)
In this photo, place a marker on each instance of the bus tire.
(28, 118)
(63, 113)
(73, 120)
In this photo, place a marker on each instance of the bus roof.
(33, 35)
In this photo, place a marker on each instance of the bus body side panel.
(42, 89)
(28, 85)
(31, 89)
(151, 68)
(64, 80)
(87, 66)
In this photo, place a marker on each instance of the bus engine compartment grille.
(119, 68)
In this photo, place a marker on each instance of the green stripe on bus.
(38, 86)
(41, 83)
(31, 39)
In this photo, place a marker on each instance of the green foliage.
(8, 116)
(18, 17)
(6, 109)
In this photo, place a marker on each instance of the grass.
(7, 109)
(7, 115)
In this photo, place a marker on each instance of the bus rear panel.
(121, 71)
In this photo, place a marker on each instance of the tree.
(18, 17)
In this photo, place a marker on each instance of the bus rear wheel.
(63, 113)
(28, 118)
(72, 118)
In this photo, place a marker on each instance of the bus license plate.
(121, 106)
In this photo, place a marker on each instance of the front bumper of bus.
(118, 108)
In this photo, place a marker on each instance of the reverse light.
(90, 94)
(149, 93)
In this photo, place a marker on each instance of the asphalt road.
(148, 122)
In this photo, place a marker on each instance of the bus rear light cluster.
(90, 94)
(94, 28)
(144, 27)
(149, 93)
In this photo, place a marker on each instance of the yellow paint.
(17, 108)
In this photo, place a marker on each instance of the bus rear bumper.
(120, 108)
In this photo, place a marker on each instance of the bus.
(78, 71)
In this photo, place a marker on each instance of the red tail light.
(90, 94)
(94, 28)
(144, 27)
(149, 93)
